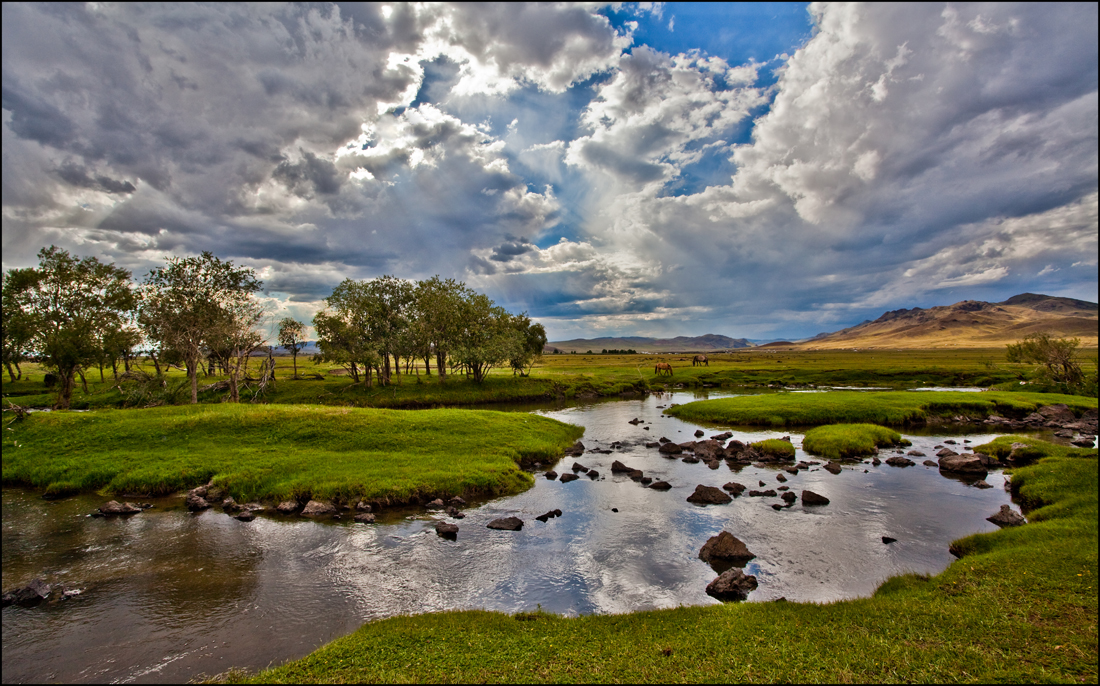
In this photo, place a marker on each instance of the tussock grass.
(1020, 606)
(892, 408)
(279, 451)
(840, 441)
(776, 447)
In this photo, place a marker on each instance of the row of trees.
(73, 314)
(370, 326)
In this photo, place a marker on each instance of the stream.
(167, 595)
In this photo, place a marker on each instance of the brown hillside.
(970, 324)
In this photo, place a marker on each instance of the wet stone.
(811, 498)
(566, 478)
(708, 495)
(726, 547)
(735, 489)
(506, 524)
(660, 485)
(593, 474)
(834, 468)
(364, 518)
(732, 585)
(551, 475)
(446, 529)
(887, 540)
(1006, 516)
(290, 507)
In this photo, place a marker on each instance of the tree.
(439, 307)
(487, 337)
(18, 328)
(191, 302)
(1057, 355)
(532, 341)
(344, 331)
(291, 332)
(68, 303)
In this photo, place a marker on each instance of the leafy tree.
(439, 307)
(68, 303)
(344, 329)
(291, 332)
(532, 341)
(194, 302)
(1057, 355)
(18, 328)
(487, 337)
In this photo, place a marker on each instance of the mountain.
(680, 344)
(969, 324)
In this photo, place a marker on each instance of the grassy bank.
(841, 441)
(1020, 606)
(277, 451)
(894, 408)
(567, 376)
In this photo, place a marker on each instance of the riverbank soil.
(1019, 606)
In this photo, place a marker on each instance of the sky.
(760, 171)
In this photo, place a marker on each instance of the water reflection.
(170, 594)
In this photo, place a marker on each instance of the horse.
(699, 359)
(662, 367)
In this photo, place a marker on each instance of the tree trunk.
(441, 364)
(156, 364)
(384, 374)
(101, 379)
(193, 377)
(67, 379)
(114, 369)
(19, 370)
(428, 365)
(354, 372)
(83, 380)
(11, 372)
(294, 356)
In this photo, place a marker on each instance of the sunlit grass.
(281, 451)
(840, 441)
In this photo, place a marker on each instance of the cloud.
(906, 154)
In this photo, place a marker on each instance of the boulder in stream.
(365, 518)
(725, 547)
(1006, 516)
(962, 464)
(811, 498)
(732, 584)
(708, 495)
(318, 508)
(291, 506)
(832, 467)
(566, 478)
(506, 524)
(660, 485)
(446, 530)
(31, 594)
(735, 489)
(113, 507)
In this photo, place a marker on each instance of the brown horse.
(699, 359)
(662, 367)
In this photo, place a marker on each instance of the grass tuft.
(776, 447)
(840, 441)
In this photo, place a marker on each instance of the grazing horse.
(662, 367)
(699, 359)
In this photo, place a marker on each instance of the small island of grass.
(842, 441)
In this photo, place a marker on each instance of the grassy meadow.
(279, 452)
(1020, 606)
(563, 376)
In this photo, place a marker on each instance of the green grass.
(840, 441)
(1020, 606)
(776, 447)
(579, 376)
(892, 408)
(279, 451)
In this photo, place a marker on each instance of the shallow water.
(168, 595)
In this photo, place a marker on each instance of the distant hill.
(680, 344)
(969, 324)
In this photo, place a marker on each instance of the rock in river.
(618, 467)
(732, 584)
(811, 498)
(317, 508)
(196, 503)
(725, 546)
(708, 495)
(899, 461)
(113, 507)
(660, 485)
(832, 467)
(566, 478)
(289, 507)
(735, 489)
(364, 518)
(446, 529)
(506, 524)
(1006, 516)
(31, 594)
(962, 464)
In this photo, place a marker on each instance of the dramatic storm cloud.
(753, 171)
